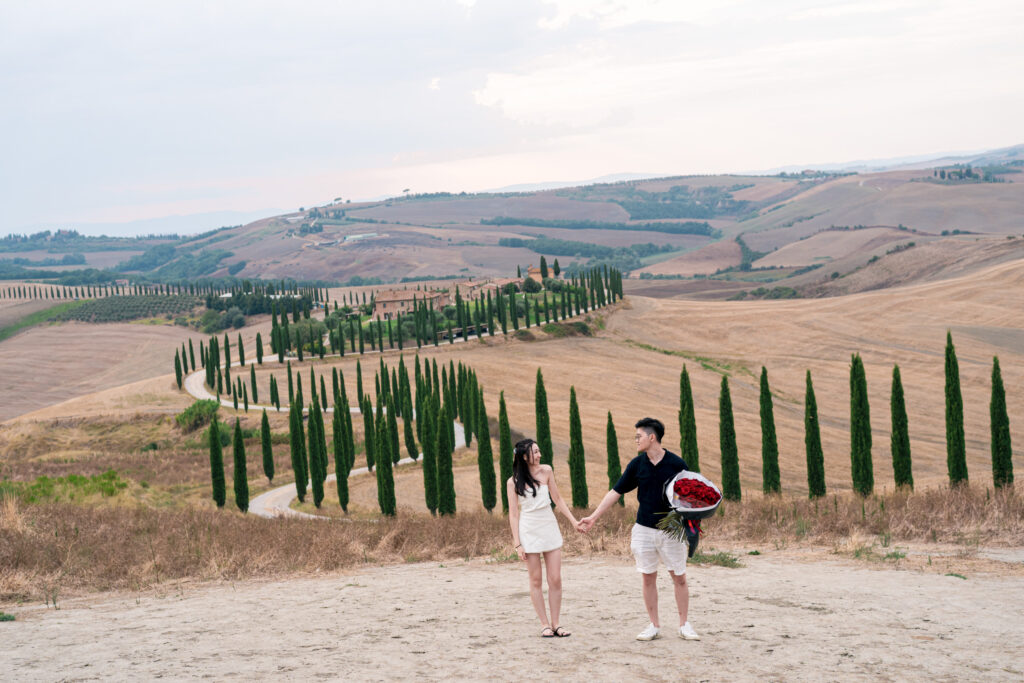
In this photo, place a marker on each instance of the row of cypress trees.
(594, 289)
(455, 394)
(861, 465)
(316, 294)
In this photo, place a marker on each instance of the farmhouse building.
(387, 304)
(533, 272)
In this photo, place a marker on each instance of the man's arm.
(609, 499)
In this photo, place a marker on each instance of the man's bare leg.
(682, 589)
(651, 597)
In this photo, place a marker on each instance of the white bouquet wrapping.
(692, 497)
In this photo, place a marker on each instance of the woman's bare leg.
(536, 587)
(553, 564)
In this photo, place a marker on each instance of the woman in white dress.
(531, 490)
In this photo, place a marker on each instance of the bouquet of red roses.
(692, 497)
(692, 493)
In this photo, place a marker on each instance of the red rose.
(695, 492)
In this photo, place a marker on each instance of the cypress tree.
(1002, 452)
(275, 398)
(245, 396)
(241, 480)
(217, 464)
(338, 444)
(687, 424)
(577, 463)
(291, 385)
(296, 440)
(177, 369)
(812, 444)
(540, 403)
(956, 448)
(241, 351)
(227, 360)
(323, 393)
(268, 449)
(769, 443)
(259, 348)
(349, 434)
(359, 382)
(860, 430)
(485, 456)
(727, 441)
(445, 475)
(366, 408)
(392, 424)
(252, 381)
(407, 421)
(317, 453)
(385, 477)
(504, 450)
(430, 440)
(469, 421)
(612, 448)
(900, 439)
(452, 407)
(192, 354)
(543, 268)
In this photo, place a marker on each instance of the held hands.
(585, 524)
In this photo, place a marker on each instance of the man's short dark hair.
(652, 426)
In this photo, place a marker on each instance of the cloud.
(123, 109)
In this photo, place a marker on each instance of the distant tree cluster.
(681, 201)
(685, 228)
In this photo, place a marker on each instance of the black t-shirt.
(650, 481)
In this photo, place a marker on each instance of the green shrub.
(69, 488)
(572, 329)
(4, 616)
(197, 415)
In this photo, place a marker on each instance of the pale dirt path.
(784, 616)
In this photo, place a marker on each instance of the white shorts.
(649, 545)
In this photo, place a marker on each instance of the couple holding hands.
(532, 490)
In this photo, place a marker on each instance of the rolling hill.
(679, 227)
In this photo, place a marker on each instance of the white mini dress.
(538, 528)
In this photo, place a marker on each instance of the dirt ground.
(783, 615)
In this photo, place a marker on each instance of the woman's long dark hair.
(521, 477)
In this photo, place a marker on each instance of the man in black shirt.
(649, 472)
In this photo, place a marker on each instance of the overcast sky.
(118, 111)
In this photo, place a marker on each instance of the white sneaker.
(686, 632)
(649, 633)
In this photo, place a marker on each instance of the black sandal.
(561, 632)
(548, 635)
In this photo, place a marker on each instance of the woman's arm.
(557, 499)
(513, 517)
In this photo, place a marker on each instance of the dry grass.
(50, 550)
(174, 474)
(966, 514)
